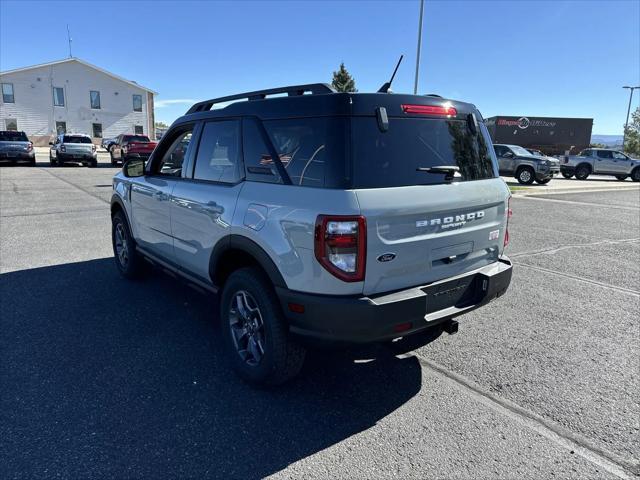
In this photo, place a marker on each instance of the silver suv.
(525, 166)
(73, 147)
(600, 161)
(320, 217)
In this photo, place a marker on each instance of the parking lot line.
(541, 198)
(576, 443)
(581, 279)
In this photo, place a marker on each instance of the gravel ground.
(106, 378)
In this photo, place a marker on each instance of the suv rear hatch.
(77, 145)
(421, 227)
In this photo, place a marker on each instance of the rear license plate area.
(459, 293)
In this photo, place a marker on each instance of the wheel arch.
(236, 251)
(584, 164)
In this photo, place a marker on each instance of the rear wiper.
(450, 172)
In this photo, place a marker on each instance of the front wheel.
(255, 333)
(635, 175)
(93, 164)
(128, 260)
(567, 175)
(543, 181)
(582, 172)
(525, 176)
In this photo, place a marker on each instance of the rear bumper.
(18, 156)
(76, 157)
(399, 314)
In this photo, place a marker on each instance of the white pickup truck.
(600, 161)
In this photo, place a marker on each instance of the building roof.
(86, 64)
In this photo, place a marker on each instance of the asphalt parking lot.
(100, 377)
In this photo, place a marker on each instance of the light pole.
(415, 84)
(626, 123)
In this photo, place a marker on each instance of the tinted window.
(75, 139)
(604, 154)
(391, 159)
(136, 138)
(219, 152)
(619, 156)
(173, 159)
(137, 103)
(500, 150)
(257, 160)
(312, 150)
(13, 137)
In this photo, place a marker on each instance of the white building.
(73, 96)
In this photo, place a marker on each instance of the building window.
(94, 97)
(58, 97)
(61, 127)
(137, 129)
(11, 124)
(97, 130)
(7, 93)
(137, 103)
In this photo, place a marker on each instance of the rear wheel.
(128, 260)
(582, 172)
(635, 175)
(525, 175)
(255, 333)
(543, 181)
(567, 175)
(93, 164)
(113, 161)
(622, 178)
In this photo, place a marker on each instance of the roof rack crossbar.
(291, 91)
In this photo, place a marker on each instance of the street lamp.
(415, 84)
(624, 136)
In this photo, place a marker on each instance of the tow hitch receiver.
(450, 327)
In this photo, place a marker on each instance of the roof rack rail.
(292, 91)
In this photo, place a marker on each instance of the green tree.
(632, 135)
(597, 145)
(161, 125)
(343, 81)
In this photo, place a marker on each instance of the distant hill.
(608, 140)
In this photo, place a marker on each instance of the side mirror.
(133, 168)
(50, 143)
(508, 155)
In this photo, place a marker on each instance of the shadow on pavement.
(104, 377)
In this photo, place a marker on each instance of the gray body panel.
(603, 162)
(83, 151)
(544, 167)
(14, 148)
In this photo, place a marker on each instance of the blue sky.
(537, 58)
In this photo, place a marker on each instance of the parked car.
(525, 166)
(131, 146)
(73, 147)
(106, 143)
(16, 147)
(308, 241)
(601, 161)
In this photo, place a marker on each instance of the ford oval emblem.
(386, 257)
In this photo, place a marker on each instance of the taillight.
(436, 110)
(93, 148)
(29, 146)
(63, 148)
(341, 245)
(508, 214)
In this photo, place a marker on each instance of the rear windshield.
(75, 139)
(392, 158)
(137, 138)
(9, 136)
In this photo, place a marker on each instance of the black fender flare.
(116, 200)
(248, 246)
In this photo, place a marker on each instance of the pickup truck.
(16, 147)
(128, 146)
(600, 161)
(525, 166)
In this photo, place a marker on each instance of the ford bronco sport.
(320, 217)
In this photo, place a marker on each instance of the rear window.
(391, 158)
(137, 138)
(6, 136)
(75, 139)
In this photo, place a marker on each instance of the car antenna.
(385, 88)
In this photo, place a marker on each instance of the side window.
(58, 97)
(499, 150)
(219, 152)
(301, 146)
(174, 157)
(604, 154)
(619, 156)
(7, 93)
(259, 166)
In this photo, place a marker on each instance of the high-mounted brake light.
(341, 244)
(436, 110)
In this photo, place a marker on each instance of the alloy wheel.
(247, 327)
(122, 250)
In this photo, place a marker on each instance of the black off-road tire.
(582, 172)
(525, 175)
(283, 357)
(622, 178)
(134, 266)
(113, 161)
(567, 175)
(635, 175)
(543, 181)
(92, 164)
